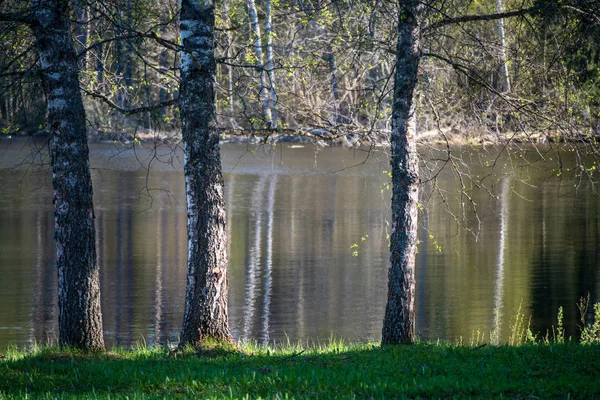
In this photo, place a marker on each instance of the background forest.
(325, 67)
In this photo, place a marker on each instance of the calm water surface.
(293, 215)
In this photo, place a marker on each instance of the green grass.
(334, 371)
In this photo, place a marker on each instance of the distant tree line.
(310, 65)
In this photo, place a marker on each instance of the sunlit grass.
(332, 370)
(529, 366)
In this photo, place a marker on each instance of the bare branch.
(131, 111)
(485, 17)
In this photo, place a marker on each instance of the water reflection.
(499, 286)
(268, 260)
(259, 268)
(254, 259)
(44, 284)
(293, 216)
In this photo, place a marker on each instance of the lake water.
(293, 215)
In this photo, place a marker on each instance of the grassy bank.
(336, 371)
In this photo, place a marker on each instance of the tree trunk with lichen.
(399, 320)
(79, 317)
(205, 313)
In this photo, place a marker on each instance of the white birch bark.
(205, 314)
(229, 55)
(502, 38)
(79, 319)
(270, 66)
(256, 41)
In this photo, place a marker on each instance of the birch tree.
(257, 43)
(205, 314)
(79, 316)
(399, 320)
(270, 66)
(502, 39)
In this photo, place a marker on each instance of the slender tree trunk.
(230, 85)
(3, 108)
(96, 55)
(207, 286)
(14, 100)
(128, 66)
(149, 96)
(163, 62)
(79, 319)
(252, 14)
(399, 320)
(119, 73)
(330, 57)
(100, 67)
(502, 38)
(81, 30)
(270, 65)
(230, 89)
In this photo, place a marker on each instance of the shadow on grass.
(545, 371)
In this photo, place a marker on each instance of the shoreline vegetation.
(450, 136)
(335, 370)
(527, 366)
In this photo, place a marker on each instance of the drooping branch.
(130, 111)
(134, 34)
(486, 17)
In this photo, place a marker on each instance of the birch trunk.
(163, 61)
(330, 57)
(207, 286)
(81, 30)
(128, 59)
(270, 66)
(100, 67)
(252, 14)
(79, 318)
(229, 56)
(502, 38)
(399, 320)
(3, 108)
(120, 94)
